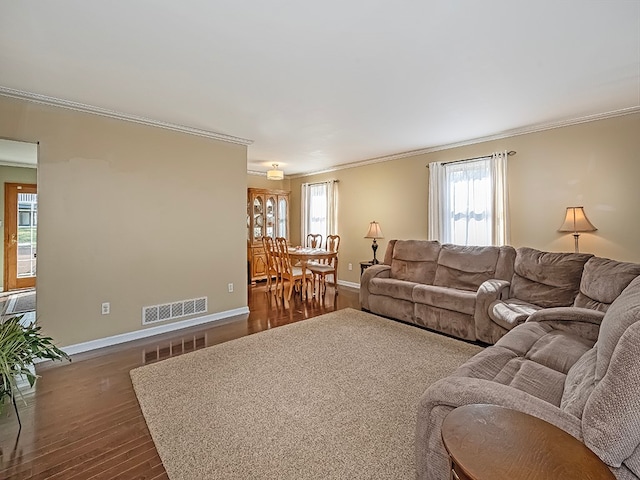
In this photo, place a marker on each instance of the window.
(319, 209)
(467, 201)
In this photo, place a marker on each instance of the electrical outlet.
(106, 308)
(350, 266)
(230, 287)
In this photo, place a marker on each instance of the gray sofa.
(548, 280)
(481, 293)
(435, 285)
(577, 370)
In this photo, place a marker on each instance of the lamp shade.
(275, 174)
(576, 221)
(374, 231)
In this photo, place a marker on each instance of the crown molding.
(506, 134)
(81, 107)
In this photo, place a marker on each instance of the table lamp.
(374, 232)
(576, 221)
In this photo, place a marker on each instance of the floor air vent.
(169, 311)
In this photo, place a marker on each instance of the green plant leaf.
(20, 346)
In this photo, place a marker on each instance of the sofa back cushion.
(621, 314)
(388, 254)
(603, 280)
(415, 260)
(547, 279)
(580, 381)
(467, 267)
(611, 417)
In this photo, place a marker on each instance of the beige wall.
(12, 175)
(596, 165)
(137, 215)
(130, 214)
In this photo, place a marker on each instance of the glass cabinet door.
(283, 212)
(271, 217)
(258, 218)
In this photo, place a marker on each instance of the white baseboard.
(149, 332)
(349, 284)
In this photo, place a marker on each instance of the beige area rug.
(333, 397)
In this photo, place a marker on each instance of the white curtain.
(468, 201)
(436, 199)
(468, 186)
(319, 209)
(500, 226)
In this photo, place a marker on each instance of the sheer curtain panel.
(319, 208)
(468, 201)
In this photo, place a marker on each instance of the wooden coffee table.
(488, 442)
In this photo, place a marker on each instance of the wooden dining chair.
(288, 271)
(326, 267)
(273, 263)
(314, 240)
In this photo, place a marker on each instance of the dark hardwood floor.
(82, 421)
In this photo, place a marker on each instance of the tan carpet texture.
(333, 397)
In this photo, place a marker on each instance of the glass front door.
(21, 227)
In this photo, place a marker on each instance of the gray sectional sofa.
(579, 372)
(566, 335)
(481, 293)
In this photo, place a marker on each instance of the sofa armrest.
(489, 291)
(452, 392)
(584, 322)
(455, 391)
(374, 271)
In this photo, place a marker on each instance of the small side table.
(364, 266)
(488, 442)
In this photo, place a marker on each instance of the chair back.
(283, 254)
(271, 254)
(333, 243)
(314, 240)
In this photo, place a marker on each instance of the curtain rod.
(319, 183)
(509, 153)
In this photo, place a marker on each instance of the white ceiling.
(319, 84)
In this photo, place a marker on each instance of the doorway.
(20, 240)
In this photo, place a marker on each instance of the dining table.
(302, 256)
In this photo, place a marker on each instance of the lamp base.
(374, 247)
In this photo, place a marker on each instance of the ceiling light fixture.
(275, 174)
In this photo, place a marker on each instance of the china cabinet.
(267, 215)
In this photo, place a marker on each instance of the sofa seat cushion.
(502, 365)
(533, 357)
(392, 287)
(541, 343)
(462, 301)
(511, 312)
